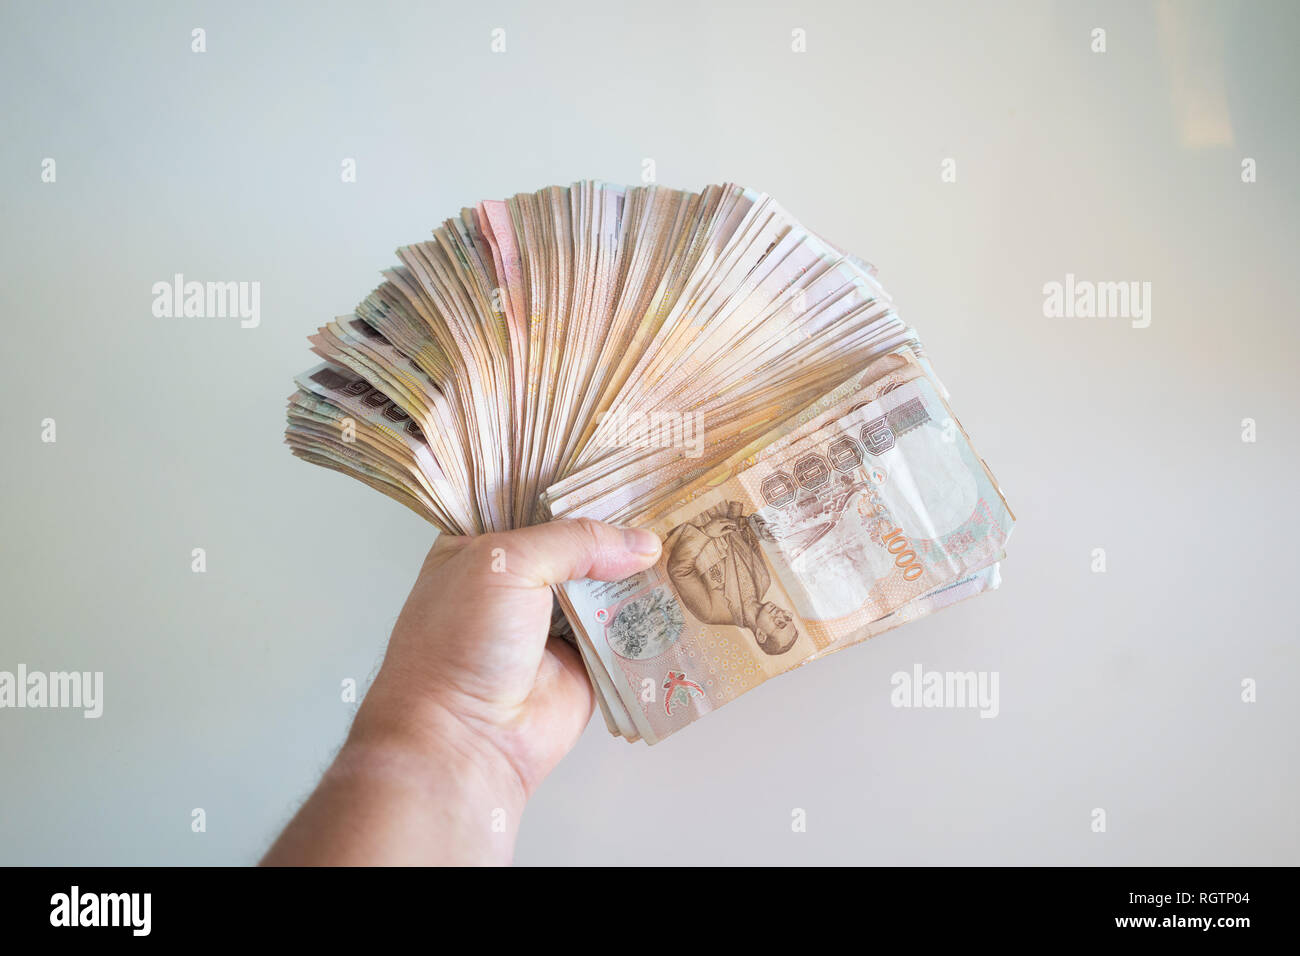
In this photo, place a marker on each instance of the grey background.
(1119, 690)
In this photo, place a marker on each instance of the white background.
(1119, 690)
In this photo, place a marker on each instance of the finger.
(444, 548)
(571, 675)
(562, 699)
(547, 554)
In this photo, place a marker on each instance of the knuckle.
(444, 546)
(591, 533)
(480, 547)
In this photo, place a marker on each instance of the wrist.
(442, 801)
(420, 732)
(393, 797)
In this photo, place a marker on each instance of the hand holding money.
(472, 707)
(699, 365)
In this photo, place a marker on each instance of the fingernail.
(640, 541)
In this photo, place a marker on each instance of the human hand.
(471, 642)
(472, 707)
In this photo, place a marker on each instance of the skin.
(471, 709)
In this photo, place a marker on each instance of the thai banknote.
(799, 554)
(697, 363)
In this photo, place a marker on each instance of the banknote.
(698, 363)
(797, 554)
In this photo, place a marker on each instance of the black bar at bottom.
(332, 906)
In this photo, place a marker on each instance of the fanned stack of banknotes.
(694, 363)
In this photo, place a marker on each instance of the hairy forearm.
(397, 796)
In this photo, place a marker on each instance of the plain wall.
(1119, 690)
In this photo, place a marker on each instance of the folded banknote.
(697, 364)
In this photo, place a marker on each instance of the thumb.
(565, 550)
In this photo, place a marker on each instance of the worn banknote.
(807, 550)
(698, 363)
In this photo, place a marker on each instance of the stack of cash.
(698, 364)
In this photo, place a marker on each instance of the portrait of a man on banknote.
(717, 567)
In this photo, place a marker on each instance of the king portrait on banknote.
(718, 569)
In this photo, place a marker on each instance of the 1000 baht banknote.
(826, 533)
